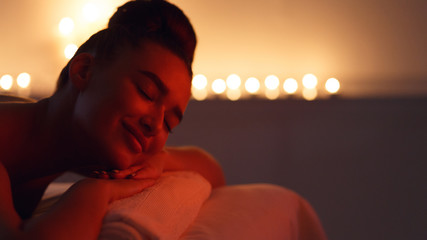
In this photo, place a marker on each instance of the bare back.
(18, 160)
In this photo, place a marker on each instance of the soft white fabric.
(163, 211)
(255, 211)
(250, 211)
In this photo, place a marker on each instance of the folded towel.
(163, 211)
(255, 211)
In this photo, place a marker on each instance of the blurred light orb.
(199, 94)
(90, 12)
(252, 85)
(218, 86)
(332, 85)
(199, 81)
(23, 80)
(6, 82)
(271, 82)
(233, 94)
(233, 81)
(309, 81)
(309, 94)
(290, 85)
(70, 50)
(272, 94)
(66, 26)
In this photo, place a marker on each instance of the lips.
(138, 143)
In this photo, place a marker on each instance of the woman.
(117, 100)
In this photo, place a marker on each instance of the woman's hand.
(152, 168)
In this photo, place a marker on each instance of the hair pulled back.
(155, 20)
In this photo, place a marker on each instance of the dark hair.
(155, 20)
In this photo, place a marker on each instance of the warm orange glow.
(332, 85)
(272, 94)
(290, 85)
(252, 85)
(233, 94)
(6, 82)
(70, 50)
(66, 26)
(218, 86)
(233, 81)
(309, 81)
(199, 81)
(23, 80)
(199, 94)
(271, 82)
(309, 94)
(90, 12)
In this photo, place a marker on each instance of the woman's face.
(124, 114)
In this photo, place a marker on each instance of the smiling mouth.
(137, 142)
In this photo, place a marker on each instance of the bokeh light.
(290, 85)
(23, 80)
(272, 94)
(218, 86)
(90, 12)
(309, 94)
(233, 94)
(332, 85)
(199, 94)
(233, 81)
(66, 26)
(252, 85)
(271, 82)
(309, 81)
(6, 82)
(199, 81)
(70, 50)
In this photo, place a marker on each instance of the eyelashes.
(145, 95)
(168, 127)
(151, 99)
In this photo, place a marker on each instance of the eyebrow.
(163, 89)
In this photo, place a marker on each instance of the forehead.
(171, 70)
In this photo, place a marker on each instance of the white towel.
(163, 211)
(255, 211)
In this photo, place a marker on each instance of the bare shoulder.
(16, 120)
(188, 150)
(195, 159)
(191, 152)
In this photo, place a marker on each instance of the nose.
(152, 122)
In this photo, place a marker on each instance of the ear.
(80, 70)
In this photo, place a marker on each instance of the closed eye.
(145, 95)
(168, 127)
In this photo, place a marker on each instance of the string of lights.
(232, 88)
(272, 88)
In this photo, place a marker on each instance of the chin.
(120, 163)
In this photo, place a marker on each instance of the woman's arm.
(175, 159)
(77, 215)
(194, 159)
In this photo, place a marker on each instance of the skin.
(112, 118)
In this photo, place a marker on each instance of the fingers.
(116, 174)
(126, 173)
(147, 172)
(135, 172)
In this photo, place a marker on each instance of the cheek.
(158, 143)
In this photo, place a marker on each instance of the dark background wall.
(361, 163)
